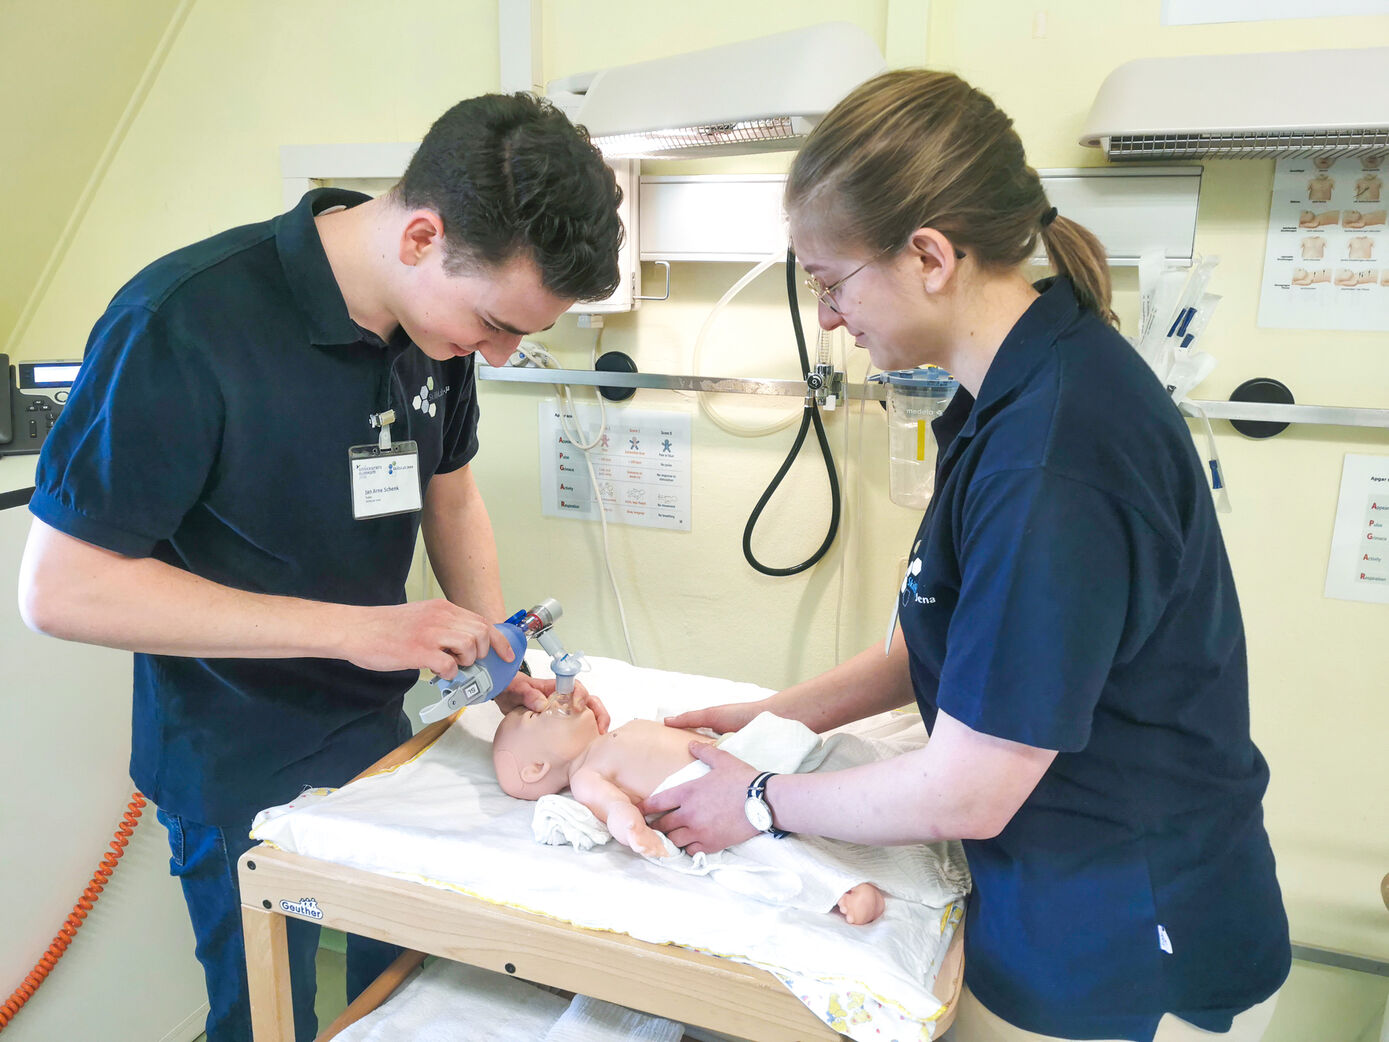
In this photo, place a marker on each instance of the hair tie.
(1048, 217)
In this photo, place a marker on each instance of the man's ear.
(424, 231)
(935, 254)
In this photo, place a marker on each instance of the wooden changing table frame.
(665, 980)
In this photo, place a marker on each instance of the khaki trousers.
(974, 1023)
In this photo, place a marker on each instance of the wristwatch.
(759, 815)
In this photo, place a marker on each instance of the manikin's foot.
(861, 905)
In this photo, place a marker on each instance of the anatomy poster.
(1359, 565)
(1327, 260)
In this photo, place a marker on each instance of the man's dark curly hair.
(510, 175)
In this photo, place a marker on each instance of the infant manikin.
(539, 754)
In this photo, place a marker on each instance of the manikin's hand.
(706, 815)
(436, 635)
(631, 830)
(534, 692)
(719, 719)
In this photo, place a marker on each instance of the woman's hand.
(733, 716)
(706, 815)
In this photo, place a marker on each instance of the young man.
(219, 498)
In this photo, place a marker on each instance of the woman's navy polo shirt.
(1074, 594)
(209, 428)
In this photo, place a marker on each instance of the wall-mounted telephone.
(34, 396)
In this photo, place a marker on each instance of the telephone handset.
(6, 409)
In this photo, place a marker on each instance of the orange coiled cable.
(50, 958)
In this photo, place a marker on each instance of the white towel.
(560, 819)
(450, 1002)
(593, 1020)
(768, 743)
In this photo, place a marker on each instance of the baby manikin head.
(532, 752)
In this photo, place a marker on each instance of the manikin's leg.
(862, 904)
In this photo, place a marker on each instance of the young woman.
(1069, 627)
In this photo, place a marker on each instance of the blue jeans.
(203, 858)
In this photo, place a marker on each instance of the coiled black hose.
(811, 414)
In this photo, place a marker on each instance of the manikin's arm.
(615, 809)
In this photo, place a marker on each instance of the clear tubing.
(705, 403)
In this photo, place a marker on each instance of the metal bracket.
(666, 296)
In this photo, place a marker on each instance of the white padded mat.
(442, 819)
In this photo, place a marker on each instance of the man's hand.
(436, 635)
(706, 815)
(534, 692)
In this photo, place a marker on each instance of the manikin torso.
(638, 756)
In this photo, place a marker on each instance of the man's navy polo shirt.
(1074, 594)
(209, 428)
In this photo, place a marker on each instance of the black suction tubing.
(811, 414)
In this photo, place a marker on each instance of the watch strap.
(758, 791)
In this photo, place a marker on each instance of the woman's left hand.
(534, 692)
(706, 815)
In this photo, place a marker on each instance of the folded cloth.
(450, 1002)
(559, 820)
(593, 1020)
(768, 742)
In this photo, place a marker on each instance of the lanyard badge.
(385, 476)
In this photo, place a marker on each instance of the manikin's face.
(532, 751)
(881, 305)
(487, 311)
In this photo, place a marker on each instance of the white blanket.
(442, 819)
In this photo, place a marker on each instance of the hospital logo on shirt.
(911, 593)
(426, 402)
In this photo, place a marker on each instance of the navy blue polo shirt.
(1074, 594)
(209, 428)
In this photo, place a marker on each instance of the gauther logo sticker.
(305, 906)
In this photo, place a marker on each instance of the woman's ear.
(935, 255)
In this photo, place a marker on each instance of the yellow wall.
(69, 73)
(244, 78)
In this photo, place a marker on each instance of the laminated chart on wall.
(1326, 264)
(1359, 565)
(641, 462)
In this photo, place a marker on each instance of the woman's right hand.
(733, 716)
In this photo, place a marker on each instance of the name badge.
(384, 481)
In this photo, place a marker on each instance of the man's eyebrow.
(505, 328)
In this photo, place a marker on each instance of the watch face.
(758, 814)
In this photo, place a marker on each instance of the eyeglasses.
(825, 294)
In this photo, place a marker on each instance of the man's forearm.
(462, 549)
(75, 591)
